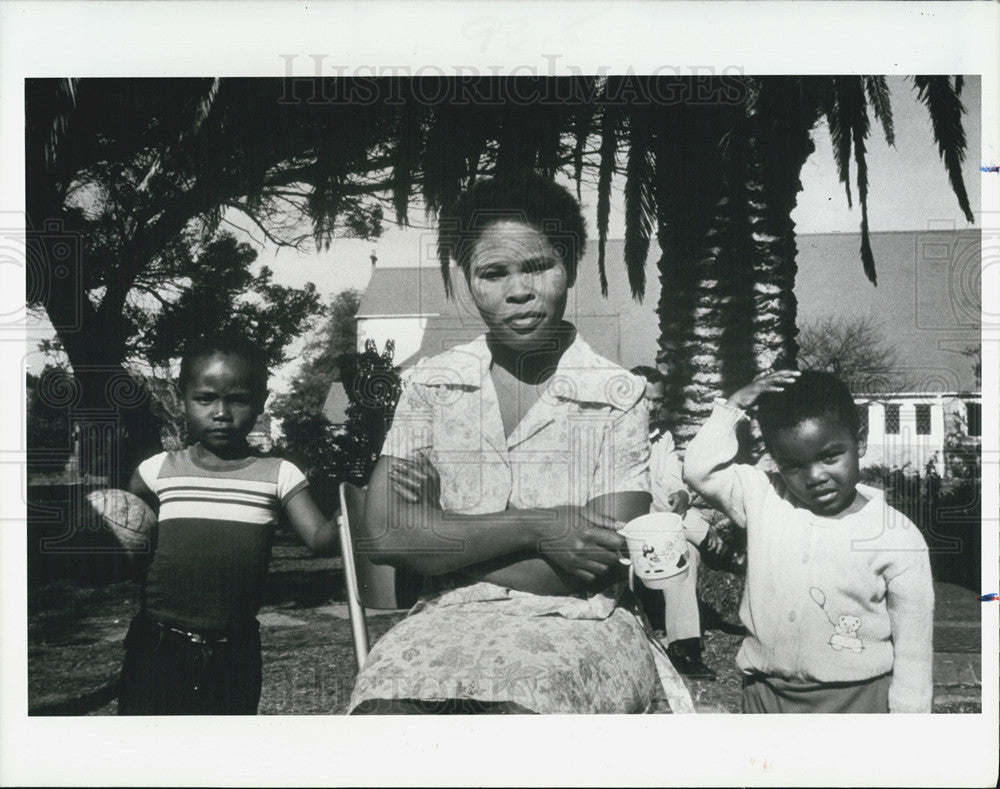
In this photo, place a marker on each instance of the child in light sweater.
(838, 599)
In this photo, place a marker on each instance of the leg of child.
(652, 602)
(233, 677)
(158, 675)
(680, 602)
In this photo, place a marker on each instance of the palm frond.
(405, 156)
(203, 108)
(585, 89)
(443, 164)
(840, 133)
(946, 111)
(640, 201)
(878, 97)
(581, 130)
(854, 113)
(66, 101)
(611, 118)
(548, 124)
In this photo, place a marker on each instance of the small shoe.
(685, 654)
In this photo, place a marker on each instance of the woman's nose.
(521, 288)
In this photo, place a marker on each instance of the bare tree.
(855, 349)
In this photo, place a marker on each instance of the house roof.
(927, 302)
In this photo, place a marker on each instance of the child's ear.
(862, 442)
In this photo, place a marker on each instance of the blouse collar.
(581, 375)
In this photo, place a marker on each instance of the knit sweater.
(827, 599)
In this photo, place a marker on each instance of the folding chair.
(369, 585)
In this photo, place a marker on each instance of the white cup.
(657, 547)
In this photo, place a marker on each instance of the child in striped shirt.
(194, 646)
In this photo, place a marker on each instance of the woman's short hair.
(520, 196)
(814, 393)
(225, 343)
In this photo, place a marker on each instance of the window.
(923, 420)
(863, 417)
(974, 418)
(892, 420)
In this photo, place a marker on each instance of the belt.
(196, 637)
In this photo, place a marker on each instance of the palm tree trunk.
(694, 216)
(727, 180)
(779, 119)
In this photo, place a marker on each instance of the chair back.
(379, 586)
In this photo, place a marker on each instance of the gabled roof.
(927, 301)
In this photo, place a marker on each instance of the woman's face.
(519, 283)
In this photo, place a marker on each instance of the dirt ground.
(75, 636)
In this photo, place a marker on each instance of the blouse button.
(805, 558)
(791, 616)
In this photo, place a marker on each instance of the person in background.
(674, 611)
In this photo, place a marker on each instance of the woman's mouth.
(525, 321)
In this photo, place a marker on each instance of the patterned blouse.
(586, 436)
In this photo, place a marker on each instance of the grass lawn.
(75, 636)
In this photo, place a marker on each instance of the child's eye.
(491, 275)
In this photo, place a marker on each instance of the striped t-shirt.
(215, 532)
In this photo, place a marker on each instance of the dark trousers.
(169, 673)
(773, 695)
(653, 605)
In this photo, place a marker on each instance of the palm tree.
(727, 305)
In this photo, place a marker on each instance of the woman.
(511, 462)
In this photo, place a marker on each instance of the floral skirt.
(545, 654)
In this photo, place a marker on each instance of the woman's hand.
(771, 382)
(580, 540)
(416, 481)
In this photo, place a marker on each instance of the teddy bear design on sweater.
(845, 635)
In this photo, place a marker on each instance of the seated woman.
(510, 463)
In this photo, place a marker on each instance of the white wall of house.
(909, 446)
(407, 331)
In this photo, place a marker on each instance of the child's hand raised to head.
(771, 382)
